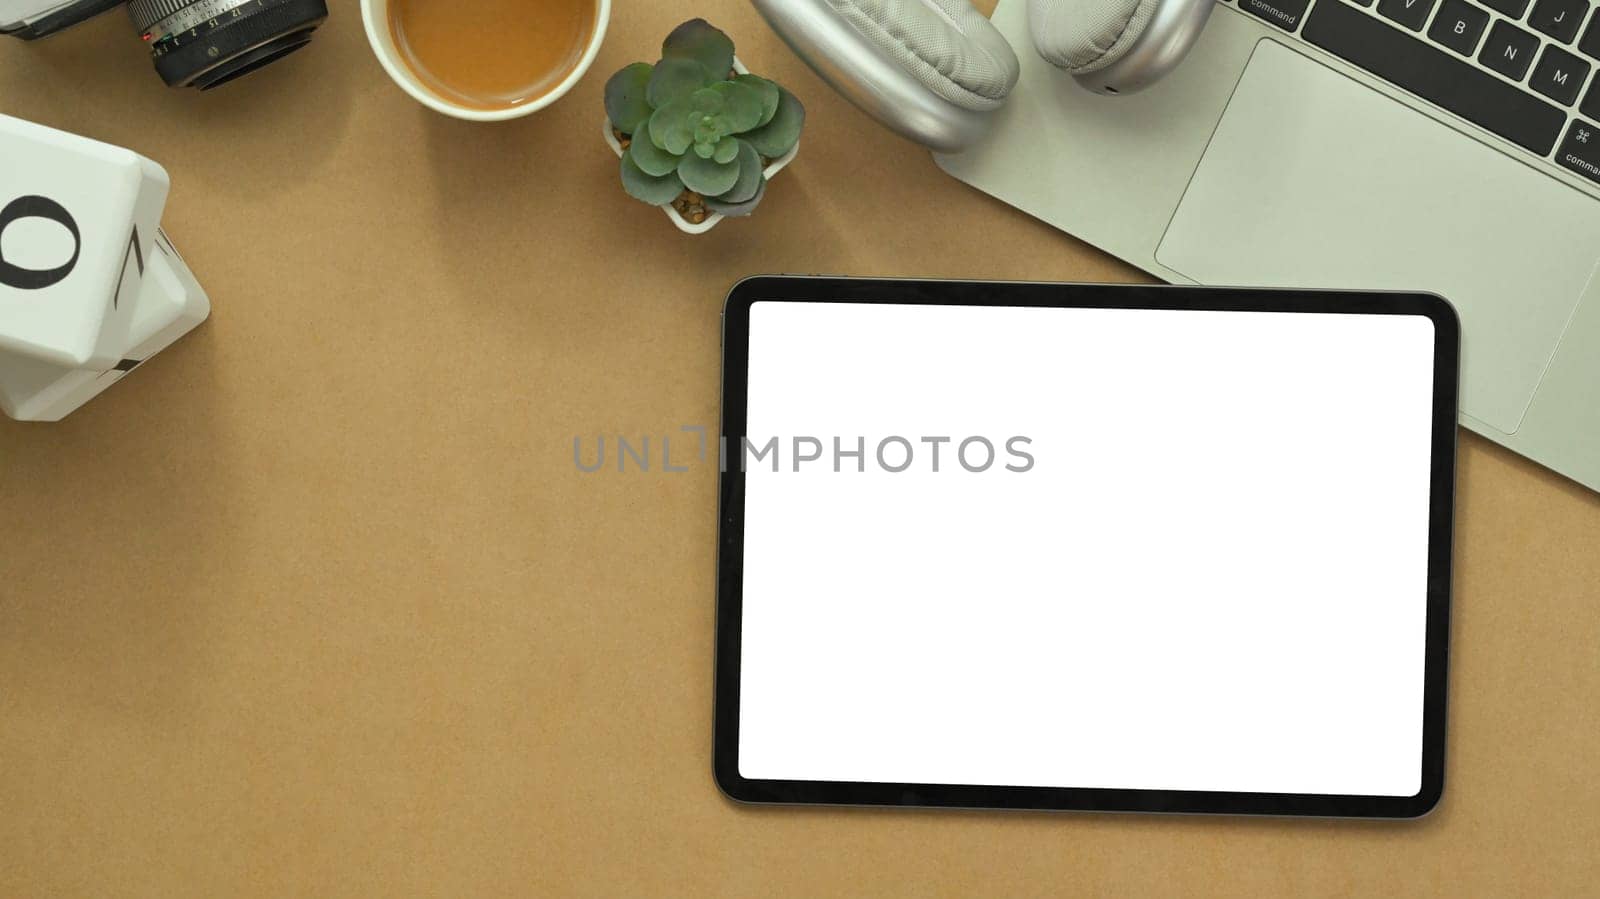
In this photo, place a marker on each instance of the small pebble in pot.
(691, 206)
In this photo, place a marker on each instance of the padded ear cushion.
(945, 44)
(1086, 35)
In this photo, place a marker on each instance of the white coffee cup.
(375, 14)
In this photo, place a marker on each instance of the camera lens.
(206, 43)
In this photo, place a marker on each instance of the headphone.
(933, 70)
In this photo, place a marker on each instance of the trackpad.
(1302, 186)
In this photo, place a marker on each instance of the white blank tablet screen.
(1212, 576)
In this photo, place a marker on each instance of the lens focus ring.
(148, 12)
(164, 17)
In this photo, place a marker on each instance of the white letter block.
(89, 284)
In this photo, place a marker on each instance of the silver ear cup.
(1116, 46)
(879, 66)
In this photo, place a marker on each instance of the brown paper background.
(316, 602)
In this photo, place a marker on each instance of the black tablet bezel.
(730, 568)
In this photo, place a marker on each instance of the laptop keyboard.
(1518, 68)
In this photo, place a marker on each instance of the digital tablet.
(1061, 546)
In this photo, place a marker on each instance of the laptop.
(1449, 146)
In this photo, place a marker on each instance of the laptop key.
(1434, 75)
(1591, 101)
(1512, 8)
(1509, 50)
(1559, 18)
(1559, 75)
(1285, 14)
(1458, 26)
(1410, 13)
(1580, 150)
(1590, 42)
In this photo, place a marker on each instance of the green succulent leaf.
(708, 177)
(700, 41)
(651, 159)
(734, 210)
(657, 190)
(670, 127)
(706, 131)
(779, 136)
(741, 105)
(750, 174)
(673, 79)
(626, 105)
(706, 101)
(769, 95)
(727, 149)
(706, 150)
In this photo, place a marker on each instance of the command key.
(1580, 150)
(1283, 13)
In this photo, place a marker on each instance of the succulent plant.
(694, 124)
